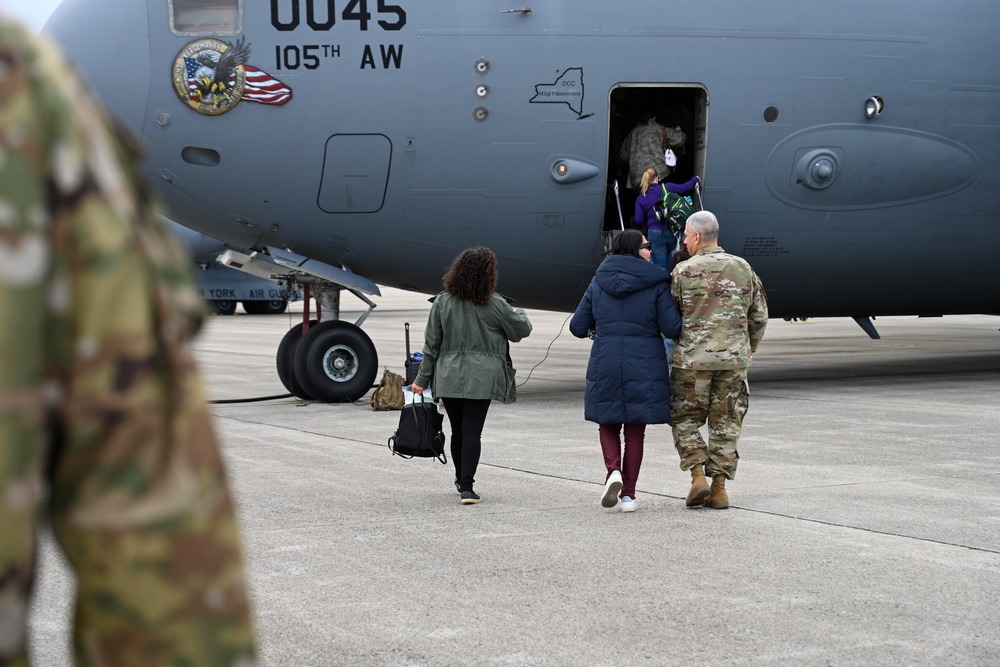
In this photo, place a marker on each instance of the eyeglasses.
(645, 246)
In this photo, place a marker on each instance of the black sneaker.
(470, 497)
(458, 488)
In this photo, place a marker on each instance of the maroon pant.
(611, 445)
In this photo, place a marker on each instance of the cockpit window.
(206, 17)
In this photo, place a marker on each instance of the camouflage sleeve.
(96, 316)
(24, 260)
(757, 313)
(675, 137)
(675, 286)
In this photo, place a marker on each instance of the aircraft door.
(355, 173)
(683, 105)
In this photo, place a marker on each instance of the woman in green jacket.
(467, 358)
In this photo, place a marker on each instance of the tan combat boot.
(718, 499)
(699, 487)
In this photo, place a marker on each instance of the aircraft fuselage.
(412, 130)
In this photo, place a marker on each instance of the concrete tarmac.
(864, 527)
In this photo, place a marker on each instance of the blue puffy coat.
(629, 305)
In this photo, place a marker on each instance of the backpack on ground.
(388, 394)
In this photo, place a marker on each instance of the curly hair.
(473, 275)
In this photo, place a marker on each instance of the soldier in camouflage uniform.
(724, 309)
(643, 148)
(104, 431)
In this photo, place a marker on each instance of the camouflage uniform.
(102, 413)
(723, 305)
(643, 148)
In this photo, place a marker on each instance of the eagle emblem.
(212, 76)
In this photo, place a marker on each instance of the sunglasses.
(645, 246)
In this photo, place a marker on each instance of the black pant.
(467, 417)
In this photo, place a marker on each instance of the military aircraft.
(851, 150)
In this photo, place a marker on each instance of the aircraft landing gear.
(334, 361)
(331, 361)
(285, 359)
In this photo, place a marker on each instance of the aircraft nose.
(108, 40)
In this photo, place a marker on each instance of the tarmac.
(864, 526)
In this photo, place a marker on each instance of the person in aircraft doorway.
(661, 239)
(643, 147)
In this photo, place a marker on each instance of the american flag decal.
(212, 76)
(264, 88)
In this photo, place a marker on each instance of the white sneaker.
(611, 489)
(628, 505)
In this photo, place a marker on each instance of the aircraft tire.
(285, 361)
(335, 362)
(273, 307)
(224, 306)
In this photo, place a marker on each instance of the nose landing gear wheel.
(336, 361)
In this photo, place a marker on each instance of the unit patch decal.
(566, 89)
(212, 76)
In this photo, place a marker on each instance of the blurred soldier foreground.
(102, 413)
